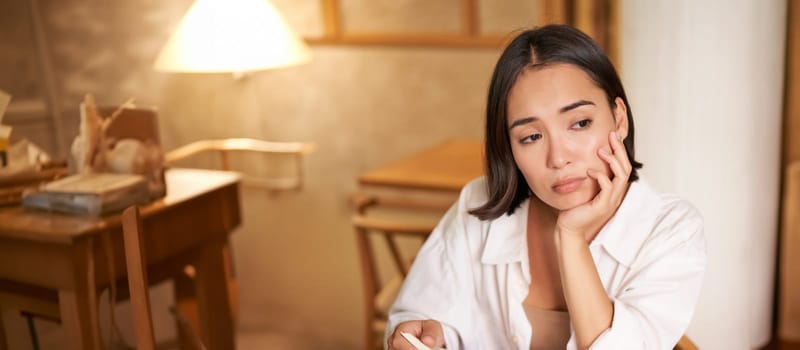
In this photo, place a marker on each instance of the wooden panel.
(503, 17)
(597, 18)
(34, 299)
(555, 11)
(330, 15)
(407, 16)
(791, 135)
(50, 262)
(789, 292)
(303, 16)
(442, 40)
(395, 23)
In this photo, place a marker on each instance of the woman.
(560, 245)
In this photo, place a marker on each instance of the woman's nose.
(558, 153)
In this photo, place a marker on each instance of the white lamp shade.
(231, 36)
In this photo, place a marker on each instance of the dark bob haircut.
(538, 47)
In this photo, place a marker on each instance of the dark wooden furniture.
(53, 264)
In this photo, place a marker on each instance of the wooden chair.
(225, 147)
(685, 344)
(135, 262)
(380, 293)
(137, 279)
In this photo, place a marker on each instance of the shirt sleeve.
(655, 307)
(432, 289)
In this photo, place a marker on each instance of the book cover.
(90, 194)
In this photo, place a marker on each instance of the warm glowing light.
(231, 36)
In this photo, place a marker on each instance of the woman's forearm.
(590, 309)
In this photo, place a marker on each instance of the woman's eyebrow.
(574, 105)
(563, 110)
(522, 121)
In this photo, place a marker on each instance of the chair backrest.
(380, 295)
(137, 279)
(293, 180)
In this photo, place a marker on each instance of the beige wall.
(362, 107)
(295, 254)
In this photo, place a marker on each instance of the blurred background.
(713, 87)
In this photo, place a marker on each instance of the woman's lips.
(567, 185)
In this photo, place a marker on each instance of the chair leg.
(31, 330)
(369, 342)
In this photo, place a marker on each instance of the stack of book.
(90, 194)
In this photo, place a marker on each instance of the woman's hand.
(428, 331)
(587, 219)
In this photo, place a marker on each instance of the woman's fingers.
(428, 331)
(620, 177)
(397, 342)
(619, 153)
(606, 186)
(432, 334)
(620, 165)
(616, 166)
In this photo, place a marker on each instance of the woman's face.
(558, 119)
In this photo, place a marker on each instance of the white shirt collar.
(621, 237)
(506, 240)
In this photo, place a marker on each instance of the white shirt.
(473, 275)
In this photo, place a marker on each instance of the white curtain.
(705, 81)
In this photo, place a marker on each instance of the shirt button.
(515, 338)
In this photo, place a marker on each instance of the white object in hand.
(416, 342)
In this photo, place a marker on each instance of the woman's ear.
(620, 118)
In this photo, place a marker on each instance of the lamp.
(235, 36)
(231, 36)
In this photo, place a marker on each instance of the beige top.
(550, 328)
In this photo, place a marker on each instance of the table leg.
(212, 297)
(78, 306)
(188, 325)
(187, 320)
(3, 341)
(79, 318)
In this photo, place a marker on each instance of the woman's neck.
(541, 217)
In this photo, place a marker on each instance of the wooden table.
(436, 174)
(411, 194)
(70, 258)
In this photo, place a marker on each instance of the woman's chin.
(573, 200)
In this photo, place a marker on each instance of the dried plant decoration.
(91, 146)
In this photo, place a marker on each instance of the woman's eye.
(582, 124)
(531, 138)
